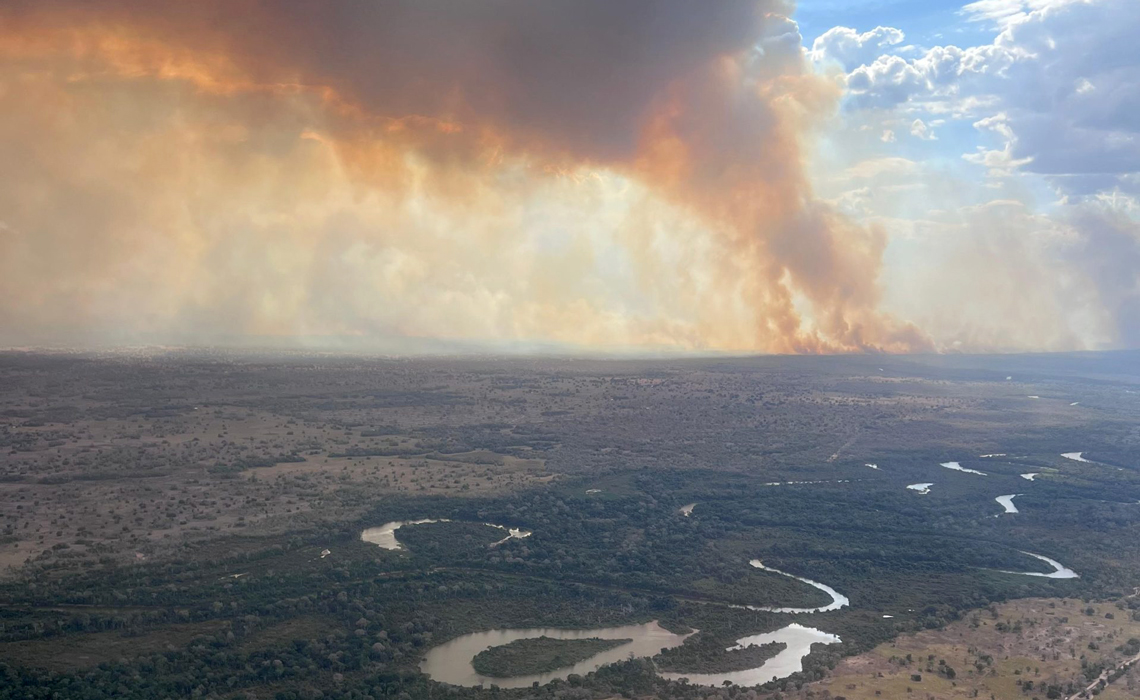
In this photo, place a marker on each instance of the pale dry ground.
(432, 475)
(135, 488)
(1038, 640)
(119, 454)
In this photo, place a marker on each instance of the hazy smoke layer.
(579, 172)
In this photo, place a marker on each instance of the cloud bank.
(1017, 224)
(1059, 87)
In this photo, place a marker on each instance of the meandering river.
(838, 600)
(450, 662)
(385, 535)
(1007, 502)
(799, 640)
(1059, 569)
(959, 468)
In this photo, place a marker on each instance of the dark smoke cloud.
(578, 74)
(483, 110)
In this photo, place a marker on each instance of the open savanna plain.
(189, 524)
(1037, 647)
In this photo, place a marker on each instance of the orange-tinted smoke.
(705, 104)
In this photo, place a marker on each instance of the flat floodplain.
(214, 511)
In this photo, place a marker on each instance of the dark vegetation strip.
(526, 657)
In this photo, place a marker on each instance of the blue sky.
(997, 147)
(926, 22)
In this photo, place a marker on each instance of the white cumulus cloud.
(850, 49)
(920, 130)
(1058, 89)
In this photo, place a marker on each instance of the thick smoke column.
(609, 174)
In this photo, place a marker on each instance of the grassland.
(1037, 647)
(173, 522)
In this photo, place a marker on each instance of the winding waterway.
(1059, 569)
(450, 662)
(838, 600)
(385, 535)
(1007, 502)
(959, 468)
(799, 640)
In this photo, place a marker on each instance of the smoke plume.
(583, 173)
